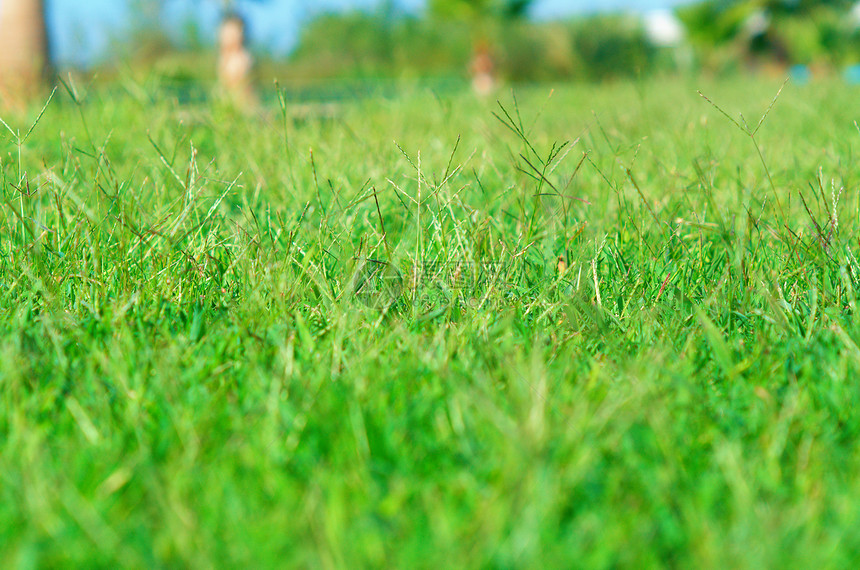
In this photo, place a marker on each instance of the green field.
(340, 336)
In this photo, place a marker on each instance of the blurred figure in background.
(24, 61)
(483, 69)
(234, 60)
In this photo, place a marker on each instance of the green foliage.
(805, 7)
(823, 36)
(476, 9)
(365, 45)
(360, 44)
(812, 32)
(612, 47)
(200, 367)
(709, 24)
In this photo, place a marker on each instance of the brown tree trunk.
(24, 59)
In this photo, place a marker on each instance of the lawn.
(589, 326)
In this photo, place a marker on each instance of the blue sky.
(83, 30)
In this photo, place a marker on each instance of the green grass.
(213, 355)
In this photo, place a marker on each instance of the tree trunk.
(24, 58)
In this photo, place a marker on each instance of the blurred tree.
(479, 9)
(782, 31)
(802, 7)
(483, 16)
(151, 9)
(24, 60)
(718, 21)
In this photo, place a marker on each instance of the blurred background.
(321, 44)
